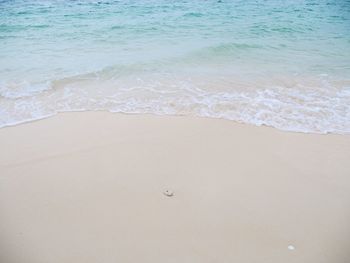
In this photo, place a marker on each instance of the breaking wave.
(299, 108)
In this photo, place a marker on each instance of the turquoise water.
(284, 64)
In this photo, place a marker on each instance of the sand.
(91, 187)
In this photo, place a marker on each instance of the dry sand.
(88, 187)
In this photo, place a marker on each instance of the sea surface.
(280, 63)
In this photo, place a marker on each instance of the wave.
(298, 108)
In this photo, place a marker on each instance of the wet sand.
(90, 187)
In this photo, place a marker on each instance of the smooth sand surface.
(88, 187)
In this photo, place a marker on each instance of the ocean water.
(280, 63)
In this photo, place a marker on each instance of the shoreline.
(344, 133)
(88, 187)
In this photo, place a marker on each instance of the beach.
(91, 187)
(174, 131)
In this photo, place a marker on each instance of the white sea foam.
(15, 90)
(298, 108)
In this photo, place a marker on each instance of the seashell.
(290, 247)
(168, 192)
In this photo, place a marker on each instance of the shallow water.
(284, 64)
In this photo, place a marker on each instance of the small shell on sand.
(290, 247)
(168, 193)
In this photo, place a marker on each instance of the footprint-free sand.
(90, 187)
